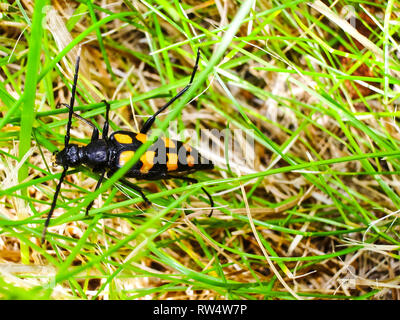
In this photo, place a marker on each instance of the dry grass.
(313, 216)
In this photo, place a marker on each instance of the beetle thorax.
(96, 154)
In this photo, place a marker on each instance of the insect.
(165, 159)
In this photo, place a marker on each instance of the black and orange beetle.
(165, 159)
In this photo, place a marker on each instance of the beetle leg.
(129, 184)
(136, 188)
(147, 125)
(193, 180)
(95, 133)
(97, 186)
(106, 122)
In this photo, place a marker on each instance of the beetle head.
(71, 156)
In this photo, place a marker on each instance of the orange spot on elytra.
(123, 138)
(190, 160)
(125, 156)
(172, 163)
(168, 143)
(148, 161)
(188, 148)
(141, 137)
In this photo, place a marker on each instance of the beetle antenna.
(67, 137)
(72, 101)
(53, 204)
(211, 201)
(147, 125)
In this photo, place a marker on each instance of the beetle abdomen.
(163, 157)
